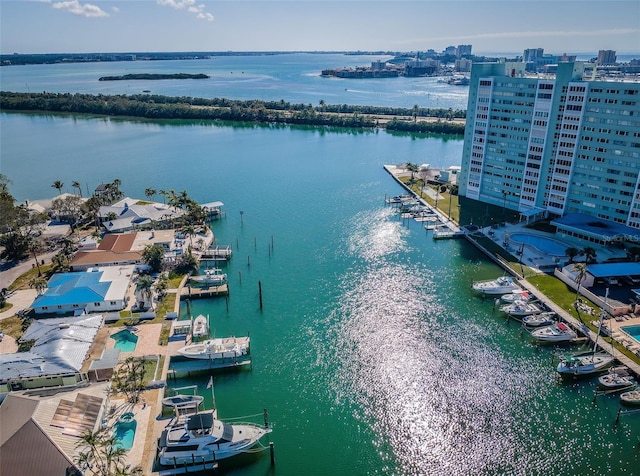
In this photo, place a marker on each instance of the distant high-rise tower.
(450, 50)
(463, 50)
(606, 57)
(532, 54)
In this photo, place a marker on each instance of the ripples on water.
(440, 398)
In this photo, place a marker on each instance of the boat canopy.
(200, 421)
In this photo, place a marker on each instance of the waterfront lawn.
(22, 281)
(507, 257)
(557, 291)
(12, 326)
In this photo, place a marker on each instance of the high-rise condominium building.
(550, 146)
(606, 57)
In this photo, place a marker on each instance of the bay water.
(371, 353)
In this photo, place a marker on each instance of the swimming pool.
(125, 430)
(125, 340)
(633, 332)
(541, 243)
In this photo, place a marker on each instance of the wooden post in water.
(271, 241)
(266, 418)
(273, 457)
(260, 292)
(248, 260)
(255, 243)
(240, 276)
(241, 213)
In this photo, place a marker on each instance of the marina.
(349, 292)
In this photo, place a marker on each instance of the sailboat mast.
(602, 311)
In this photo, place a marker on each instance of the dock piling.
(273, 458)
(240, 276)
(260, 292)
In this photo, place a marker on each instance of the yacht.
(183, 401)
(539, 320)
(499, 286)
(519, 309)
(590, 362)
(632, 397)
(554, 334)
(202, 438)
(213, 276)
(520, 295)
(618, 378)
(585, 363)
(200, 326)
(218, 348)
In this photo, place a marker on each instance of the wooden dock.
(185, 366)
(192, 292)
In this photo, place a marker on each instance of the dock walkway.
(573, 322)
(449, 228)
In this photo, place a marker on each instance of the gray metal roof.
(61, 345)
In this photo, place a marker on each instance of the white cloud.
(190, 6)
(86, 10)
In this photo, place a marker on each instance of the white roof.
(61, 345)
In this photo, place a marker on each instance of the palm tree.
(145, 288)
(59, 185)
(571, 252)
(100, 450)
(149, 192)
(39, 284)
(129, 379)
(413, 168)
(581, 271)
(589, 254)
(75, 184)
(189, 231)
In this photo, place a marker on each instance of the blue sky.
(573, 26)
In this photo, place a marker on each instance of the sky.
(498, 26)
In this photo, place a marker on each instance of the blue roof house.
(96, 290)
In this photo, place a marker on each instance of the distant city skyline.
(505, 26)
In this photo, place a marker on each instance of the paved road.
(9, 272)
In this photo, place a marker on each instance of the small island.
(153, 76)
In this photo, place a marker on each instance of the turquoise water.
(633, 331)
(371, 354)
(546, 245)
(125, 431)
(125, 341)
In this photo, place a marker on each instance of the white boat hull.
(208, 451)
(554, 334)
(494, 287)
(586, 364)
(220, 348)
(631, 397)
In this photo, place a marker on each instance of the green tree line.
(189, 108)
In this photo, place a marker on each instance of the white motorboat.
(200, 326)
(519, 309)
(632, 397)
(213, 276)
(517, 296)
(617, 379)
(218, 348)
(201, 437)
(183, 401)
(586, 363)
(499, 286)
(554, 333)
(539, 320)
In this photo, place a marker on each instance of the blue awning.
(605, 270)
